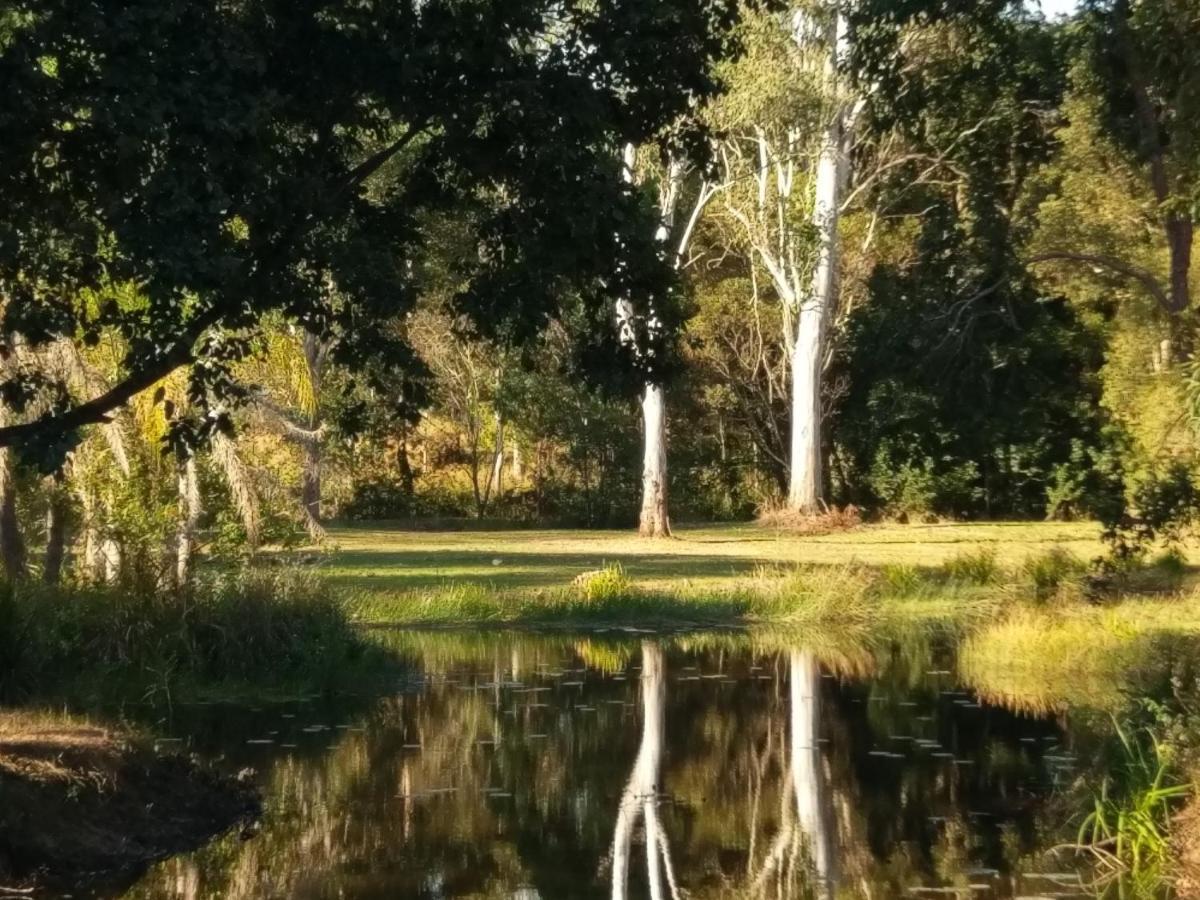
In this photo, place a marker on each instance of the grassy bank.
(254, 630)
(704, 576)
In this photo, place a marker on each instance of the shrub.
(976, 566)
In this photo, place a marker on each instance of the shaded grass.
(378, 558)
(253, 629)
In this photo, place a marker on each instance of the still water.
(538, 768)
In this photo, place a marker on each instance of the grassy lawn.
(377, 558)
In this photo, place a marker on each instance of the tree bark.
(654, 520)
(189, 519)
(407, 478)
(310, 473)
(56, 532)
(805, 494)
(805, 488)
(12, 543)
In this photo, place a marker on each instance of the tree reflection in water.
(558, 767)
(643, 791)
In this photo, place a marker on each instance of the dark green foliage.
(1161, 507)
(966, 395)
(232, 159)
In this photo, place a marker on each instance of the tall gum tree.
(783, 170)
(654, 517)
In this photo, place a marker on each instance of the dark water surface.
(519, 767)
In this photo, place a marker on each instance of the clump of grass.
(904, 579)
(1053, 571)
(833, 593)
(830, 521)
(1128, 830)
(978, 566)
(607, 585)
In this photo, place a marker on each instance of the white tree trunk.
(805, 489)
(654, 520)
(189, 518)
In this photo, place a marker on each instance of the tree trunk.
(518, 466)
(310, 489)
(56, 532)
(805, 484)
(189, 519)
(654, 520)
(407, 479)
(805, 488)
(496, 484)
(310, 475)
(12, 543)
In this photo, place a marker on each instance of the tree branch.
(1147, 280)
(96, 410)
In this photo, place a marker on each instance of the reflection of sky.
(1054, 8)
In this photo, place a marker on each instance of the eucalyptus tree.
(783, 169)
(674, 234)
(235, 159)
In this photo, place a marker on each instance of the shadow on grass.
(390, 569)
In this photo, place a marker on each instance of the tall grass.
(1128, 830)
(256, 626)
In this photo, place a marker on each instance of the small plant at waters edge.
(976, 566)
(1128, 828)
(607, 585)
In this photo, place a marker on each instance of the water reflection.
(559, 767)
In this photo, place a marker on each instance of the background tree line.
(563, 263)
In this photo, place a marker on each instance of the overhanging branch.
(1168, 301)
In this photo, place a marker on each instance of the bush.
(977, 566)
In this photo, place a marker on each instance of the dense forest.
(554, 263)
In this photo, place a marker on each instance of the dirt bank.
(85, 809)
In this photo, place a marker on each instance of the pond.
(635, 765)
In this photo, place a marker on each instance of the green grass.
(380, 558)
